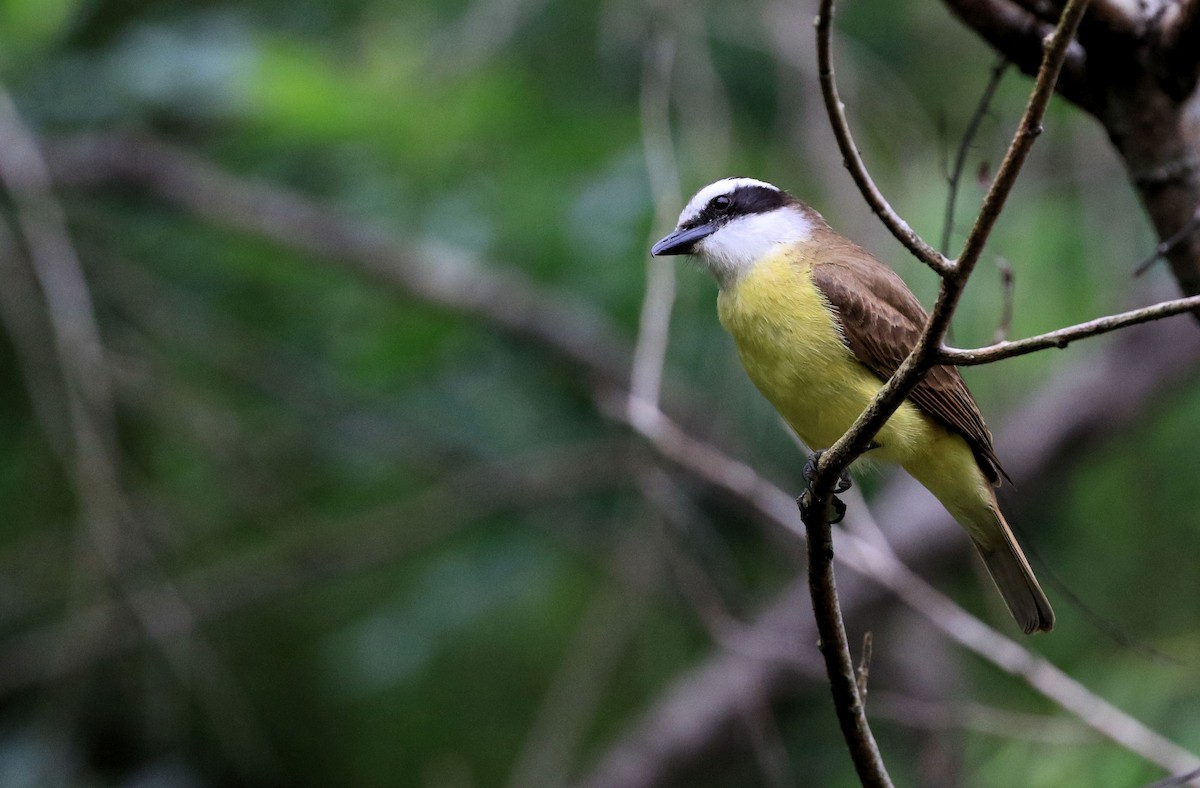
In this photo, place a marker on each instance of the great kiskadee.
(819, 324)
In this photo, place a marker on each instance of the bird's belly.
(793, 352)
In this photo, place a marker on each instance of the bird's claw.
(843, 482)
(840, 486)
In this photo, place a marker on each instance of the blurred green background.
(348, 536)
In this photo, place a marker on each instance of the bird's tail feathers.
(1011, 572)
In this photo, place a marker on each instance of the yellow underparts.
(791, 348)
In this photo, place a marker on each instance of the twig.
(834, 646)
(1165, 247)
(1007, 280)
(954, 177)
(853, 159)
(1028, 131)
(864, 667)
(1062, 337)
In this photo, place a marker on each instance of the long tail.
(1010, 571)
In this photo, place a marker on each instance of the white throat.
(733, 250)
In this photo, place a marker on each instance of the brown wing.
(883, 333)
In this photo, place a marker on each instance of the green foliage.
(354, 492)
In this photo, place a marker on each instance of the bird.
(820, 324)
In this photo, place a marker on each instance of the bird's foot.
(810, 468)
(840, 486)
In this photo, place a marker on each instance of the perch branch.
(1065, 336)
(816, 502)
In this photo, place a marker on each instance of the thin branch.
(1030, 128)
(834, 645)
(1168, 245)
(853, 159)
(954, 177)
(1007, 281)
(862, 675)
(1065, 336)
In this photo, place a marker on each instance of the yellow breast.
(792, 350)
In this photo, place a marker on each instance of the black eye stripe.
(757, 199)
(742, 201)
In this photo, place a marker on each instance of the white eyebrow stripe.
(723, 186)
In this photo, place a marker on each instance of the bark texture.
(1134, 67)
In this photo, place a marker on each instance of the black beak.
(682, 241)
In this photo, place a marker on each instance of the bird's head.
(732, 224)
